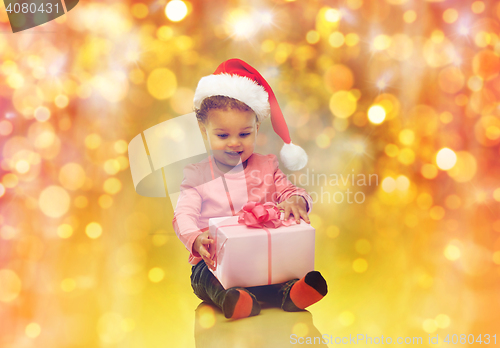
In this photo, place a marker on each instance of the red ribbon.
(254, 214)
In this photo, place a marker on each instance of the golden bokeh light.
(376, 114)
(64, 231)
(156, 274)
(446, 158)
(346, 318)
(33, 330)
(54, 201)
(343, 104)
(72, 176)
(465, 167)
(162, 83)
(93, 230)
(176, 10)
(11, 285)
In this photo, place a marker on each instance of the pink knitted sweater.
(206, 193)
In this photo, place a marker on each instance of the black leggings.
(209, 289)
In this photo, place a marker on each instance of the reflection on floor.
(271, 328)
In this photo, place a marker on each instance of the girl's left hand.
(296, 206)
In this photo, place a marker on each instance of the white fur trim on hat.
(293, 157)
(238, 87)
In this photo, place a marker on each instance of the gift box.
(253, 256)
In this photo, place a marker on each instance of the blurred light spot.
(206, 317)
(61, 101)
(446, 117)
(160, 238)
(409, 16)
(388, 184)
(360, 265)
(33, 330)
(8, 67)
(451, 79)
(162, 83)
(438, 50)
(336, 39)
(482, 39)
(111, 166)
(338, 77)
(346, 318)
(332, 231)
(11, 285)
(81, 202)
(181, 100)
(446, 158)
(402, 183)
(72, 176)
(112, 186)
(406, 136)
(323, 141)
(442, 321)
(381, 42)
(176, 10)
(465, 167)
(376, 114)
(391, 150)
(64, 231)
(406, 156)
(164, 33)
(22, 166)
(437, 212)
(333, 15)
(450, 15)
(486, 64)
(15, 80)
(477, 7)
(300, 329)
(411, 220)
(93, 141)
(401, 47)
(424, 201)
(93, 230)
(8, 232)
(120, 146)
(452, 252)
(429, 171)
(105, 201)
(475, 83)
(312, 37)
(139, 10)
(363, 246)
(268, 46)
(68, 285)
(351, 39)
(343, 104)
(461, 100)
(42, 114)
(10, 180)
(496, 257)
(111, 328)
(123, 161)
(496, 195)
(340, 124)
(54, 201)
(5, 127)
(429, 325)
(156, 274)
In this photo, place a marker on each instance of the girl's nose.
(233, 142)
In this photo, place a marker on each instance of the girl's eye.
(244, 134)
(222, 136)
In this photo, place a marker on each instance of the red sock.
(308, 290)
(240, 304)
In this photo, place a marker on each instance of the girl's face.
(231, 134)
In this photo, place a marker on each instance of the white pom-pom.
(293, 157)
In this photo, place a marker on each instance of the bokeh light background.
(406, 90)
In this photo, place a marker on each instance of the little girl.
(230, 106)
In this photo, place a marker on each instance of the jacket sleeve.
(285, 188)
(187, 211)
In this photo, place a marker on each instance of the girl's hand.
(297, 206)
(200, 245)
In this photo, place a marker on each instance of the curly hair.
(219, 102)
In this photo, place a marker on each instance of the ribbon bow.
(254, 214)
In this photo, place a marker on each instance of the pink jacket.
(206, 193)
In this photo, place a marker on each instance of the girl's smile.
(231, 135)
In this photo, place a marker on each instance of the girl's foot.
(299, 294)
(240, 303)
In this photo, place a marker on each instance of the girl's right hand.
(201, 246)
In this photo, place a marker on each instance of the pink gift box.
(247, 256)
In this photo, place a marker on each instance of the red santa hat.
(236, 79)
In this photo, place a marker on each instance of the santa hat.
(236, 79)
